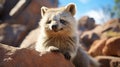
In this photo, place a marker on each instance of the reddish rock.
(86, 23)
(16, 57)
(112, 24)
(97, 47)
(11, 33)
(106, 61)
(112, 47)
(115, 63)
(87, 38)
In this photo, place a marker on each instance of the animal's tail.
(92, 62)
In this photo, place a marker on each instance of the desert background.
(98, 30)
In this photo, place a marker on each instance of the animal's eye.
(62, 21)
(48, 22)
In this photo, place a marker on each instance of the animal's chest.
(60, 42)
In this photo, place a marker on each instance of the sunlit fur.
(65, 37)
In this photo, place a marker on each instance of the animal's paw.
(53, 49)
(42, 53)
(67, 55)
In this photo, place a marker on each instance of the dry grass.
(109, 34)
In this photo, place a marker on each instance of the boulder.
(86, 23)
(11, 33)
(112, 47)
(106, 46)
(16, 57)
(87, 38)
(115, 63)
(100, 31)
(113, 24)
(105, 61)
(97, 47)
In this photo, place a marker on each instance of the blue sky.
(89, 7)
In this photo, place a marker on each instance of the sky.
(91, 8)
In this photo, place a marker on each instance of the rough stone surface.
(16, 57)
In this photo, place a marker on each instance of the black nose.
(54, 26)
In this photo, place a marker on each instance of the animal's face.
(58, 20)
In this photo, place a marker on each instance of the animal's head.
(58, 20)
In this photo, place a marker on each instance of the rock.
(115, 63)
(113, 24)
(110, 34)
(87, 38)
(11, 33)
(106, 61)
(112, 47)
(97, 47)
(111, 28)
(16, 57)
(100, 31)
(86, 23)
(106, 46)
(8, 5)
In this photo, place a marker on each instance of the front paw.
(42, 53)
(67, 55)
(53, 49)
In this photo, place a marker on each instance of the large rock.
(113, 24)
(87, 38)
(108, 61)
(100, 31)
(86, 23)
(112, 47)
(97, 47)
(106, 46)
(115, 63)
(11, 33)
(16, 57)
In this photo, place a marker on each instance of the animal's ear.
(43, 10)
(71, 8)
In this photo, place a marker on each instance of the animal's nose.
(54, 26)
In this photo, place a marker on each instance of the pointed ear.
(71, 8)
(43, 10)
